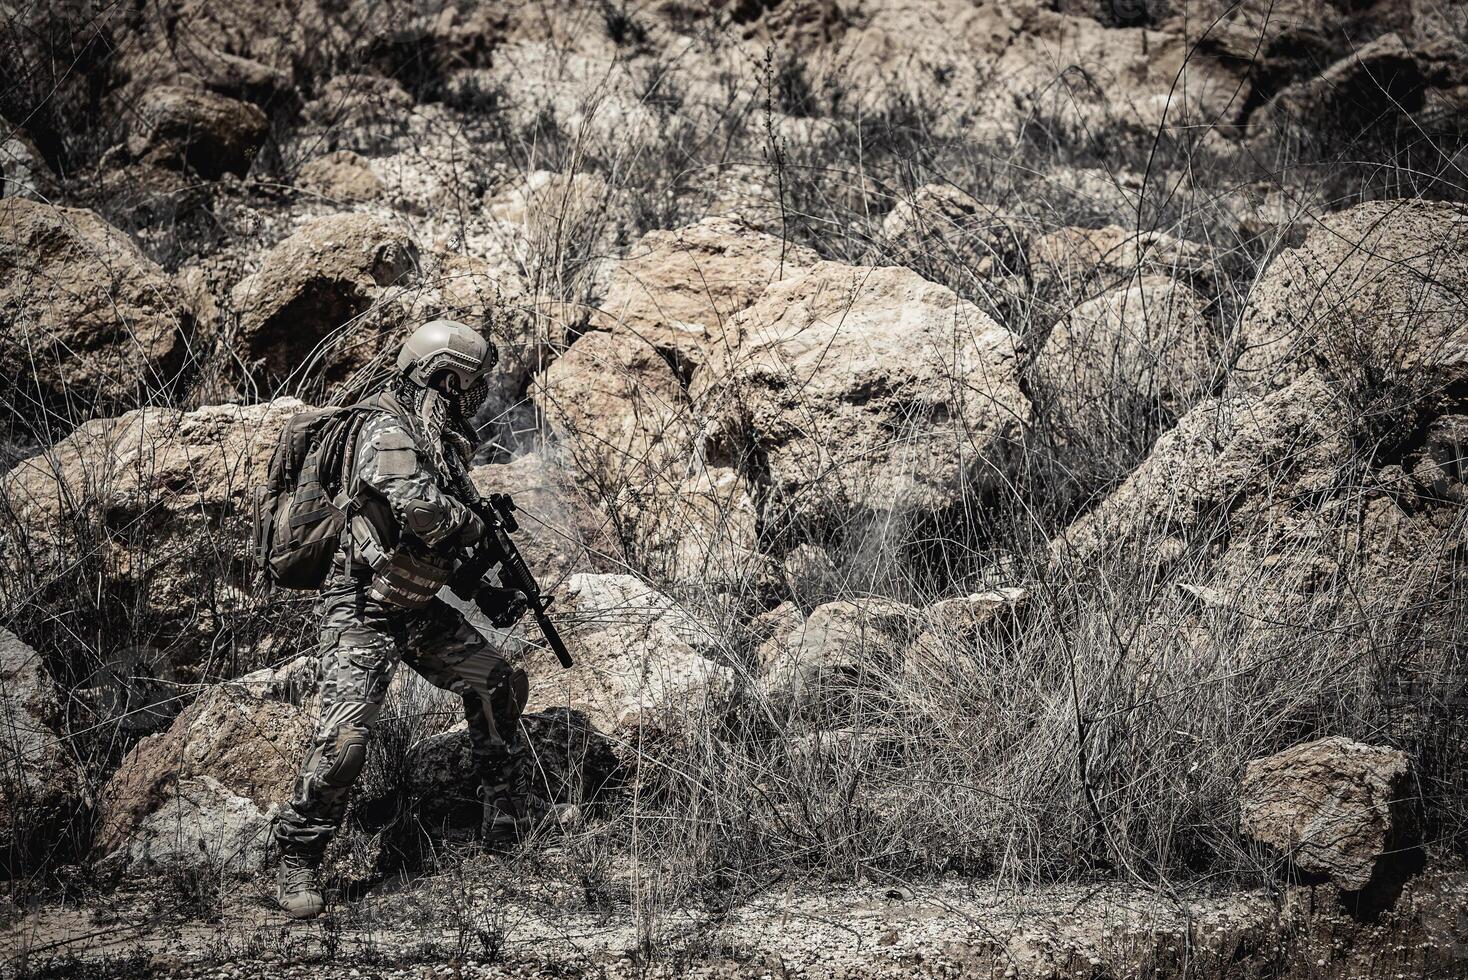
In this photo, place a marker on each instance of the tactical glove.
(502, 607)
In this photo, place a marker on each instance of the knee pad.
(351, 755)
(519, 690)
(510, 695)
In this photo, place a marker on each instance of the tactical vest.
(406, 573)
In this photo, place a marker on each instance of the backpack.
(300, 511)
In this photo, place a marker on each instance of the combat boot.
(512, 812)
(500, 827)
(299, 889)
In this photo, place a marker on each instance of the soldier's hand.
(502, 607)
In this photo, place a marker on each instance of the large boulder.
(1136, 353)
(1225, 453)
(321, 304)
(620, 415)
(1282, 40)
(1374, 89)
(626, 433)
(42, 791)
(859, 391)
(204, 792)
(957, 630)
(23, 171)
(1333, 806)
(1376, 297)
(1335, 451)
(342, 177)
(1289, 519)
(85, 317)
(573, 764)
(641, 657)
(149, 515)
(838, 649)
(1326, 481)
(677, 289)
(205, 132)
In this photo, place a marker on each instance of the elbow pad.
(424, 519)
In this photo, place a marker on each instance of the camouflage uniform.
(364, 635)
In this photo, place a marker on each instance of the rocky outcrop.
(85, 317)
(855, 391)
(322, 301)
(1218, 457)
(1325, 483)
(158, 505)
(641, 658)
(1378, 86)
(946, 233)
(1331, 465)
(207, 133)
(342, 177)
(1138, 352)
(1355, 336)
(203, 793)
(42, 791)
(1025, 61)
(1376, 297)
(1332, 807)
(677, 289)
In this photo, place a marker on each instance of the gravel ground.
(458, 926)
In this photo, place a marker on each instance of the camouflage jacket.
(395, 488)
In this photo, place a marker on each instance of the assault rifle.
(497, 511)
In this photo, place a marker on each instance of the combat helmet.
(447, 346)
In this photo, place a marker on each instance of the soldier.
(406, 522)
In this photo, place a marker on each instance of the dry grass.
(1100, 732)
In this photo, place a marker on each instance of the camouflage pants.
(362, 641)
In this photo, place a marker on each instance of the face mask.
(471, 399)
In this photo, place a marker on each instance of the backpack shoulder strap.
(351, 431)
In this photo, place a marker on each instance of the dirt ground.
(482, 921)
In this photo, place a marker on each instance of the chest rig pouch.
(410, 576)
